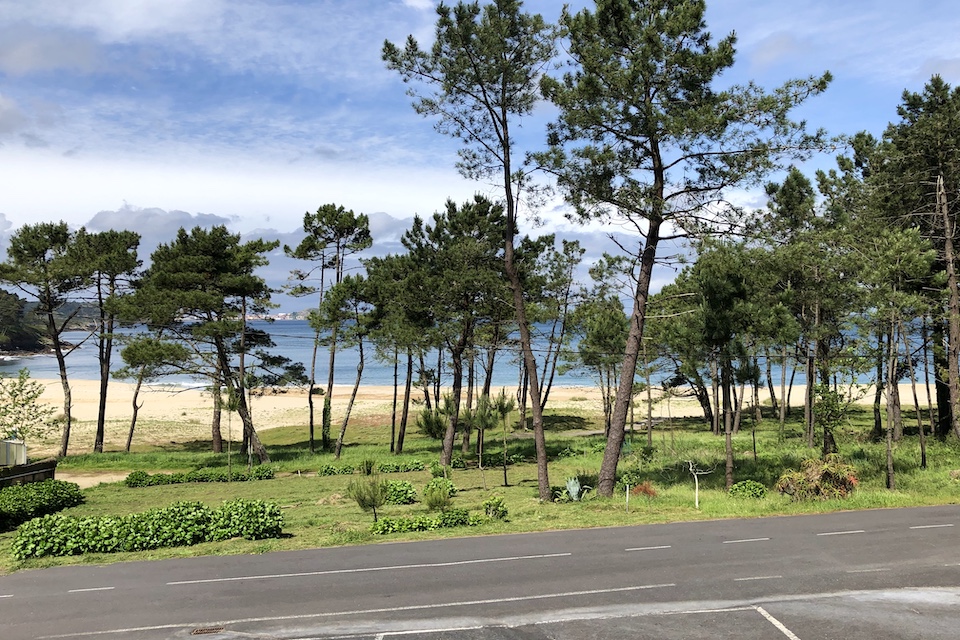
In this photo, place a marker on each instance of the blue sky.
(152, 114)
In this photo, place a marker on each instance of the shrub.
(575, 490)
(370, 493)
(144, 479)
(401, 466)
(438, 470)
(367, 466)
(451, 518)
(630, 477)
(333, 470)
(458, 463)
(432, 423)
(494, 508)
(826, 479)
(23, 502)
(748, 489)
(180, 524)
(400, 492)
(438, 493)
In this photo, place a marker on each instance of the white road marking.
(931, 526)
(867, 570)
(91, 589)
(779, 625)
(841, 533)
(363, 612)
(663, 546)
(757, 578)
(746, 540)
(382, 636)
(8, 595)
(370, 569)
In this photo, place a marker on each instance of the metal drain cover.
(205, 631)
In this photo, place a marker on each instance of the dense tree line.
(846, 274)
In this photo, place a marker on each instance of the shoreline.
(171, 413)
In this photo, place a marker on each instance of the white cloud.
(12, 117)
(27, 49)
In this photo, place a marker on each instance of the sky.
(155, 114)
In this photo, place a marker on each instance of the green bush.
(437, 494)
(334, 470)
(144, 479)
(370, 493)
(495, 508)
(438, 470)
(631, 476)
(401, 466)
(367, 466)
(23, 502)
(748, 489)
(401, 492)
(827, 479)
(180, 524)
(457, 462)
(451, 518)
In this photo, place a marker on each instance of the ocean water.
(294, 339)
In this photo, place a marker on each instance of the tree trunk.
(135, 409)
(456, 356)
(105, 348)
(715, 384)
(878, 428)
(785, 404)
(215, 434)
(408, 385)
(353, 397)
(312, 385)
(726, 384)
(327, 417)
(953, 311)
(770, 388)
(396, 391)
(916, 398)
(628, 370)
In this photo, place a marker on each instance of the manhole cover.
(205, 631)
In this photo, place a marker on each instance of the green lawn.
(317, 513)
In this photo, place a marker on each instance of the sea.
(294, 339)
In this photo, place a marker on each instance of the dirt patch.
(91, 479)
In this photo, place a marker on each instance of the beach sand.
(171, 414)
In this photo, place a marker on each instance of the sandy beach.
(171, 414)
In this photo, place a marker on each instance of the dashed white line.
(91, 589)
(364, 612)
(369, 569)
(779, 625)
(757, 578)
(6, 595)
(867, 570)
(663, 546)
(931, 526)
(746, 540)
(841, 533)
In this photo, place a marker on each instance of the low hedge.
(23, 502)
(449, 518)
(401, 466)
(144, 479)
(180, 524)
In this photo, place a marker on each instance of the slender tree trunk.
(311, 386)
(353, 397)
(727, 383)
(628, 370)
(953, 315)
(64, 382)
(785, 404)
(465, 440)
(808, 412)
(426, 386)
(215, 436)
(891, 383)
(878, 428)
(926, 374)
(715, 384)
(456, 356)
(327, 417)
(105, 349)
(770, 388)
(408, 385)
(135, 409)
(522, 397)
(916, 398)
(396, 390)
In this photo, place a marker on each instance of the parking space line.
(757, 578)
(663, 546)
(931, 526)
(841, 533)
(779, 625)
(746, 540)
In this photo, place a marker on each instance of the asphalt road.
(871, 575)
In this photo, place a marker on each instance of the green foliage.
(631, 476)
(367, 466)
(335, 470)
(457, 462)
(400, 492)
(23, 502)
(180, 524)
(369, 492)
(438, 470)
(438, 493)
(144, 479)
(401, 466)
(748, 489)
(827, 479)
(449, 518)
(22, 416)
(494, 508)
(432, 423)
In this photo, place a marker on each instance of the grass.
(318, 513)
